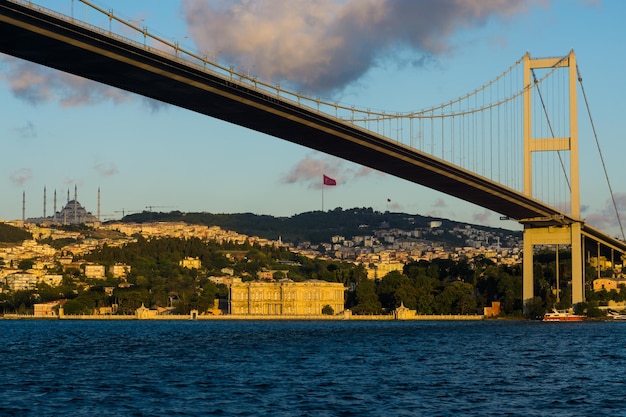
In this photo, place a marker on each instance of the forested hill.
(313, 226)
(12, 234)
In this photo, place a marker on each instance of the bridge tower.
(553, 231)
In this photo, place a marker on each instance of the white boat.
(614, 315)
(562, 315)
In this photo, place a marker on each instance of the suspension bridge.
(510, 146)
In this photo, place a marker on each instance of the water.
(285, 368)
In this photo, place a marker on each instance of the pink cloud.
(327, 44)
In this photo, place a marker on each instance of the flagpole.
(322, 196)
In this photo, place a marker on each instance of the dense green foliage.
(12, 234)
(443, 287)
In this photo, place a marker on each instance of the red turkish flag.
(329, 181)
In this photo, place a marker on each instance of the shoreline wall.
(226, 317)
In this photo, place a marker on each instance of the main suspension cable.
(595, 135)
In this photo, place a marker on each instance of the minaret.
(44, 201)
(54, 214)
(75, 204)
(68, 195)
(98, 203)
(23, 206)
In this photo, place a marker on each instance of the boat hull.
(559, 316)
(570, 318)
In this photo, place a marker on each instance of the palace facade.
(285, 297)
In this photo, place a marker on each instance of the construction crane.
(108, 217)
(125, 212)
(116, 214)
(157, 207)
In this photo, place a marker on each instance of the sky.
(59, 131)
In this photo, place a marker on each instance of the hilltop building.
(72, 213)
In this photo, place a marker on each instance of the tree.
(406, 294)
(74, 307)
(367, 300)
(509, 292)
(328, 310)
(388, 287)
(425, 290)
(25, 264)
(48, 293)
(456, 298)
(535, 308)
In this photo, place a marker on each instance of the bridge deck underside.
(96, 56)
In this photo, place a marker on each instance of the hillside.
(12, 234)
(314, 226)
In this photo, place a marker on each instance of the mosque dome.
(72, 213)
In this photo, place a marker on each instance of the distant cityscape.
(379, 251)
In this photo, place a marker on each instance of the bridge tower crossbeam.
(553, 231)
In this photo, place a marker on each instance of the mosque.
(72, 213)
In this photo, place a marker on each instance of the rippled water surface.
(285, 368)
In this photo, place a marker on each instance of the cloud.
(106, 170)
(27, 131)
(606, 218)
(482, 217)
(21, 176)
(37, 84)
(324, 45)
(439, 203)
(437, 207)
(314, 46)
(72, 181)
(393, 206)
(310, 170)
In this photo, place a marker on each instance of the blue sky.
(57, 132)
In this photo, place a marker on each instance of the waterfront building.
(609, 284)
(285, 297)
(143, 313)
(493, 310)
(49, 309)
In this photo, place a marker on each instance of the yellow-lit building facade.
(381, 269)
(608, 284)
(285, 297)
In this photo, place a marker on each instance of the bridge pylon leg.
(528, 282)
(578, 265)
(571, 235)
(545, 230)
